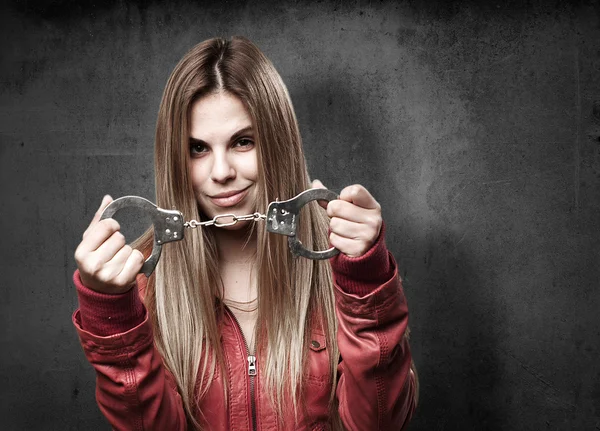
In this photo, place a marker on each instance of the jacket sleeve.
(377, 389)
(134, 390)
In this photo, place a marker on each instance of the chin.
(241, 225)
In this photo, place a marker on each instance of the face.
(223, 162)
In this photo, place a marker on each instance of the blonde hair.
(295, 294)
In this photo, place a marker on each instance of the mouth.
(229, 199)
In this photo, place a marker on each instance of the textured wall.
(476, 127)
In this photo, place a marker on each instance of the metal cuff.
(282, 219)
(168, 225)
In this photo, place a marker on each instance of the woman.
(232, 331)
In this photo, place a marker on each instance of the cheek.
(198, 175)
(251, 166)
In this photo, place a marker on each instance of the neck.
(236, 246)
(237, 256)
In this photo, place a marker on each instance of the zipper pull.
(251, 365)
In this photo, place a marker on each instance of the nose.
(222, 168)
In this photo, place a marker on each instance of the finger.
(351, 212)
(98, 234)
(113, 267)
(109, 249)
(360, 196)
(349, 247)
(106, 200)
(131, 268)
(95, 261)
(348, 229)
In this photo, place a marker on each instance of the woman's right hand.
(106, 263)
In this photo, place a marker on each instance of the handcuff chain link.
(192, 224)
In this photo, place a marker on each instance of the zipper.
(252, 374)
(251, 369)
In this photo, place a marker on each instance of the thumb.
(107, 199)
(317, 184)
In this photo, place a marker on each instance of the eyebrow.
(241, 132)
(235, 136)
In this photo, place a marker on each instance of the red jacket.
(375, 390)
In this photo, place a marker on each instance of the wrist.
(363, 274)
(107, 314)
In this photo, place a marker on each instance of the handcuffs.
(169, 225)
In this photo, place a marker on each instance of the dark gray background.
(475, 126)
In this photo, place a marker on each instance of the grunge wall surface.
(475, 125)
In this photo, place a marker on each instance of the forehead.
(217, 116)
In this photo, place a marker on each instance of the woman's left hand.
(355, 220)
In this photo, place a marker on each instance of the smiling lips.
(229, 199)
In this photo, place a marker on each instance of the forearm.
(376, 387)
(134, 390)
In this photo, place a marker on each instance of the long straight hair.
(294, 294)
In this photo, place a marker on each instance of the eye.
(197, 149)
(244, 143)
